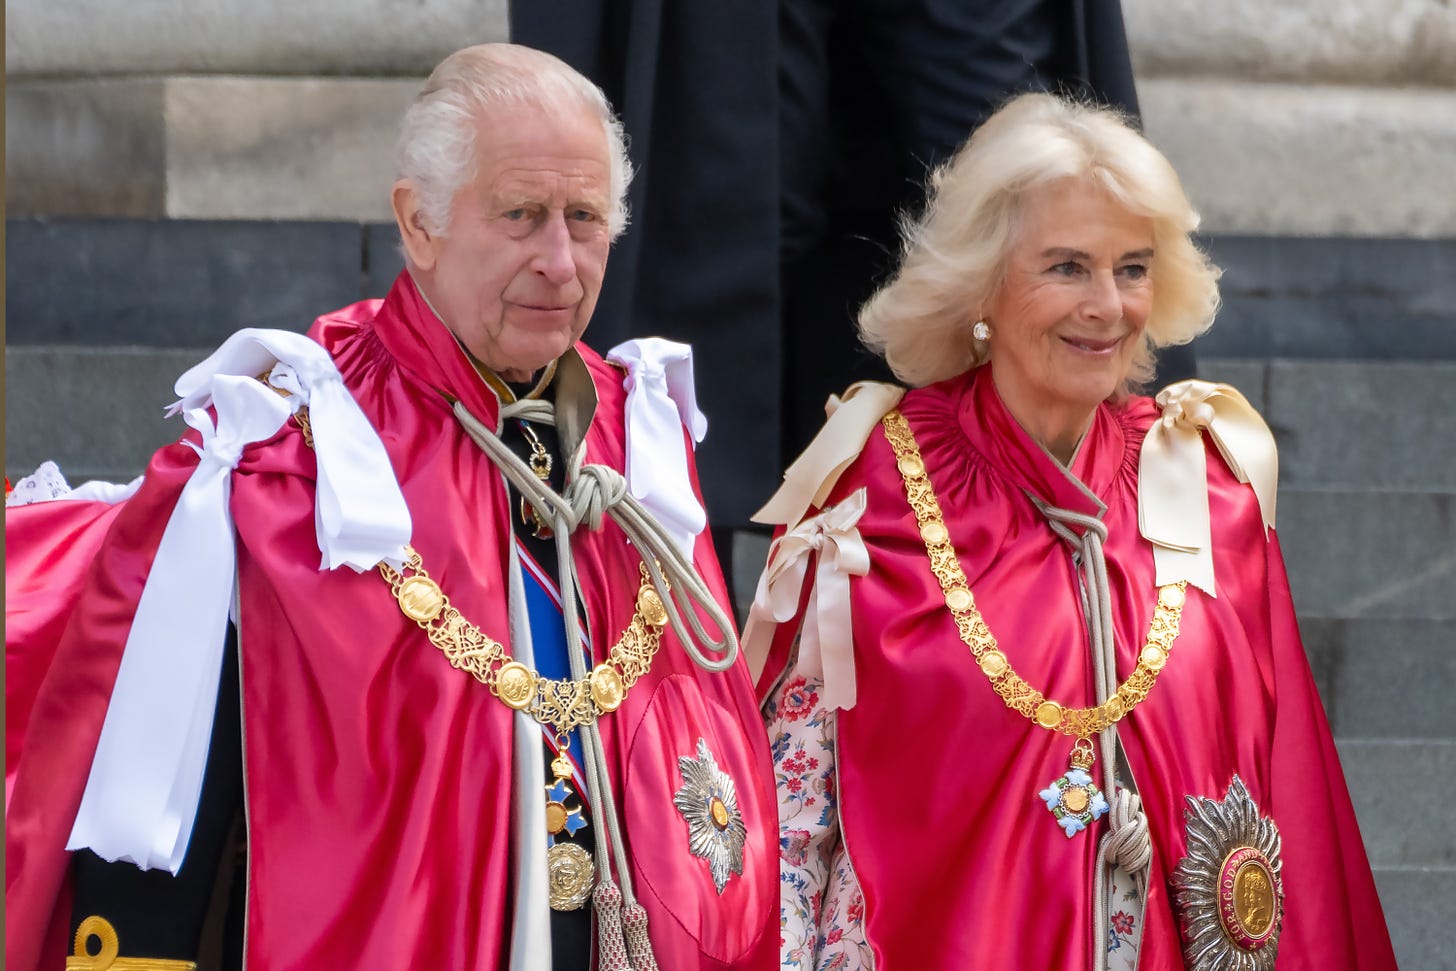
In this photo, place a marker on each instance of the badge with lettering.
(1228, 888)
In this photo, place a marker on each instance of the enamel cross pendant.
(1074, 800)
(570, 873)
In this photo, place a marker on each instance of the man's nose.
(553, 257)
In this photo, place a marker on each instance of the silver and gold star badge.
(1229, 888)
(708, 800)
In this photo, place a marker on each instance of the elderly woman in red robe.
(1035, 690)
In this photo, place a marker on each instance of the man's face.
(517, 275)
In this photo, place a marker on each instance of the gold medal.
(570, 876)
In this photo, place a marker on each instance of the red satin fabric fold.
(378, 777)
(959, 860)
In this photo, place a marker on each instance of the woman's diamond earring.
(981, 332)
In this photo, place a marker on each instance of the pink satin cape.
(960, 863)
(378, 777)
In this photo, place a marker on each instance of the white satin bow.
(146, 777)
(1173, 475)
(360, 515)
(660, 402)
(826, 639)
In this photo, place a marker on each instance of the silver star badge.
(1229, 888)
(708, 801)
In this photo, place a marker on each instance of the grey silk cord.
(594, 490)
(1127, 845)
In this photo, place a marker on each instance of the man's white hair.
(436, 149)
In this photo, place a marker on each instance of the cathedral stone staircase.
(175, 173)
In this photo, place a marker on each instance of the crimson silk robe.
(960, 863)
(378, 777)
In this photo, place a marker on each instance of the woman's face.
(1069, 316)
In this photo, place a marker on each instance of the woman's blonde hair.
(954, 255)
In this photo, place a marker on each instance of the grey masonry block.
(1264, 158)
(1346, 424)
(1334, 298)
(172, 283)
(86, 147)
(96, 413)
(1384, 679)
(1360, 424)
(1420, 909)
(383, 37)
(1399, 789)
(1247, 376)
(283, 148)
(1370, 554)
(204, 147)
(1341, 41)
(383, 259)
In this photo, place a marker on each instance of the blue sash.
(548, 641)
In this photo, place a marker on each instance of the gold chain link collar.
(559, 705)
(1081, 723)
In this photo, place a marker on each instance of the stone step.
(1369, 42)
(1352, 424)
(175, 283)
(96, 412)
(1370, 554)
(1256, 157)
(1402, 791)
(1419, 911)
(237, 37)
(1384, 680)
(189, 147)
(144, 280)
(1365, 299)
(1265, 158)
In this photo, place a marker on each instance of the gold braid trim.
(560, 705)
(107, 956)
(1018, 695)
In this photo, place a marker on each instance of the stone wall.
(1305, 117)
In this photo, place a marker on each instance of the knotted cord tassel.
(639, 945)
(611, 947)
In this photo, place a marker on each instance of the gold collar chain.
(560, 705)
(1082, 723)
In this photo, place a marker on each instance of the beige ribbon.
(826, 639)
(1173, 474)
(813, 475)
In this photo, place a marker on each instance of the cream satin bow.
(826, 638)
(814, 473)
(1173, 474)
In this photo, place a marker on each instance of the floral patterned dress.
(821, 917)
(822, 909)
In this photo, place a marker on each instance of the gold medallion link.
(560, 705)
(1015, 692)
(606, 687)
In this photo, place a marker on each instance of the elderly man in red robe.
(421, 612)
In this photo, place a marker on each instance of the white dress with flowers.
(822, 910)
(821, 917)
